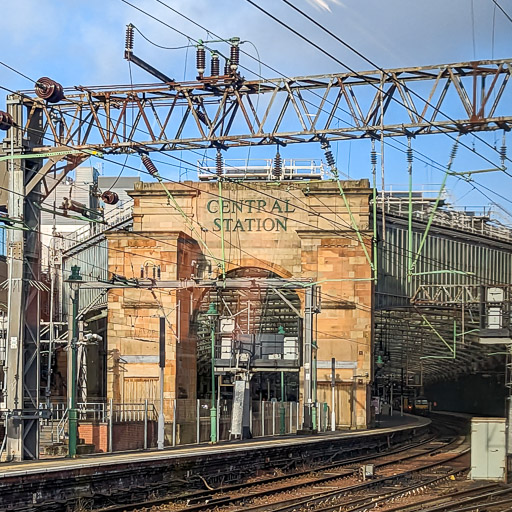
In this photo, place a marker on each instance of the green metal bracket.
(186, 219)
(453, 349)
(221, 214)
(412, 263)
(352, 219)
(24, 156)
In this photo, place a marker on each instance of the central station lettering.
(276, 222)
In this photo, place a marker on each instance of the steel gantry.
(52, 132)
(461, 98)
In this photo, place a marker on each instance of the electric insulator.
(409, 155)
(49, 90)
(234, 57)
(503, 150)
(219, 164)
(277, 171)
(129, 38)
(6, 121)
(110, 197)
(227, 67)
(453, 153)
(201, 60)
(328, 154)
(373, 157)
(215, 65)
(149, 165)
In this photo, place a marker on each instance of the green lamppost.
(212, 315)
(74, 280)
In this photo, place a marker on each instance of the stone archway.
(255, 311)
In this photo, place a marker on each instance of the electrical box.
(488, 449)
(495, 315)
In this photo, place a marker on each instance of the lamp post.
(212, 315)
(74, 280)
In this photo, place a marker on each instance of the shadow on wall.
(482, 393)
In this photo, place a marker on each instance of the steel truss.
(230, 111)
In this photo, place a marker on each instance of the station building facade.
(290, 229)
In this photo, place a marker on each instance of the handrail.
(61, 426)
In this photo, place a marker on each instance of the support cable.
(276, 71)
(332, 164)
(436, 204)
(351, 48)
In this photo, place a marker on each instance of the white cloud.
(324, 4)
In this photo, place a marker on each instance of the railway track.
(399, 472)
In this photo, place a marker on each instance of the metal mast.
(22, 361)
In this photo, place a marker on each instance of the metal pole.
(333, 394)
(161, 417)
(282, 411)
(174, 422)
(145, 424)
(273, 418)
(409, 215)
(315, 421)
(110, 426)
(391, 399)
(213, 409)
(23, 325)
(72, 413)
(308, 346)
(198, 421)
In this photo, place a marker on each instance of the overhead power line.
(362, 77)
(502, 10)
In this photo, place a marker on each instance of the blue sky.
(81, 43)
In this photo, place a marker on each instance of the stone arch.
(259, 263)
(255, 316)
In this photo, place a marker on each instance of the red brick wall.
(127, 436)
(94, 433)
(130, 435)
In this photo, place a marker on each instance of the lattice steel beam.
(236, 112)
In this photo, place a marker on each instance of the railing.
(62, 426)
(187, 421)
(262, 169)
(476, 222)
(113, 218)
(131, 412)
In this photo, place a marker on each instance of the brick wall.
(130, 435)
(127, 436)
(94, 433)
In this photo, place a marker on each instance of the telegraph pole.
(22, 361)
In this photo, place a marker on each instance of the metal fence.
(134, 425)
